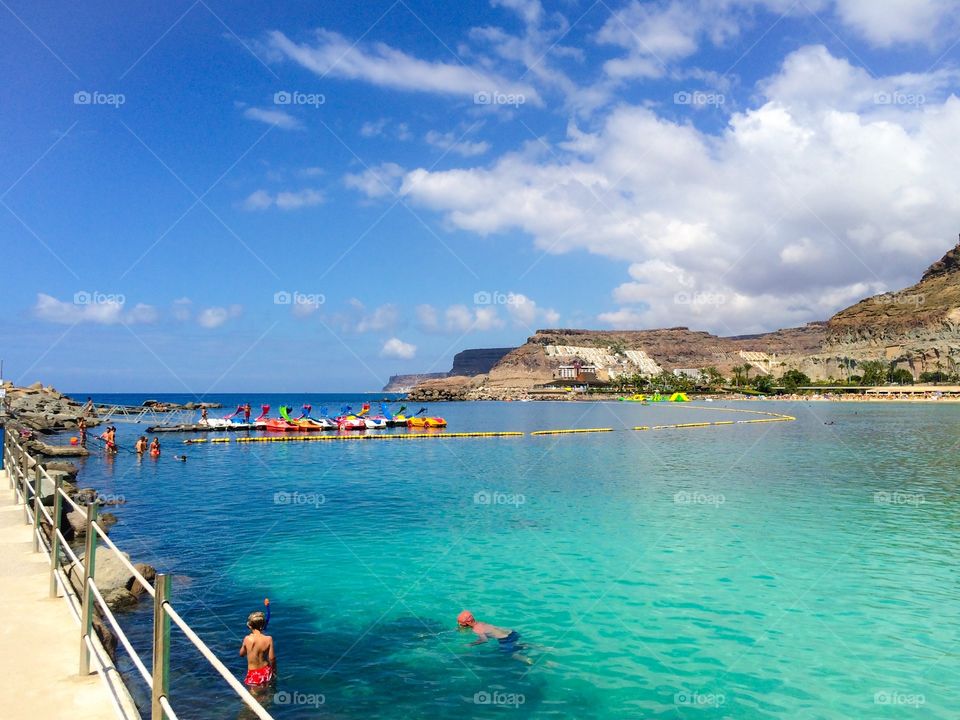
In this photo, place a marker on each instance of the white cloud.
(283, 200)
(213, 317)
(451, 142)
(525, 313)
(811, 198)
(356, 318)
(279, 118)
(378, 181)
(892, 21)
(457, 319)
(428, 319)
(333, 55)
(94, 308)
(397, 348)
(382, 318)
(383, 128)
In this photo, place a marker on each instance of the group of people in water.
(258, 647)
(109, 439)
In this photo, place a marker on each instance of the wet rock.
(149, 574)
(120, 599)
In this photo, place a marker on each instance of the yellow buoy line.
(571, 431)
(772, 417)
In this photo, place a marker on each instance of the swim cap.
(465, 618)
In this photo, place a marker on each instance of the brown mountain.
(917, 328)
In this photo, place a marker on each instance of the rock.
(109, 572)
(42, 448)
(107, 521)
(63, 466)
(149, 574)
(105, 633)
(77, 523)
(85, 496)
(120, 599)
(36, 386)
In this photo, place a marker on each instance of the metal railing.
(26, 480)
(142, 413)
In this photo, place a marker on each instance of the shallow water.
(788, 570)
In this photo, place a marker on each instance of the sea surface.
(803, 569)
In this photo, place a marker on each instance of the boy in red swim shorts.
(258, 649)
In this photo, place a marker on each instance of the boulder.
(110, 572)
(76, 525)
(120, 599)
(149, 574)
(63, 466)
(105, 633)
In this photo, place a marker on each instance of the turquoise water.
(776, 570)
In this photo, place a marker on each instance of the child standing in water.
(258, 649)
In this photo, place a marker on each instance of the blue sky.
(210, 196)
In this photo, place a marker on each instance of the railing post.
(24, 469)
(55, 535)
(37, 479)
(89, 570)
(161, 645)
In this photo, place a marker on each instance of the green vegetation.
(792, 379)
(874, 372)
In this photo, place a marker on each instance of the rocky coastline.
(31, 415)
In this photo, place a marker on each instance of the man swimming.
(484, 631)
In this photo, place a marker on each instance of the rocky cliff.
(477, 362)
(404, 383)
(466, 363)
(917, 328)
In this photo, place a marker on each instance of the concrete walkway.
(40, 636)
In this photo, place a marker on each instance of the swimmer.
(181, 458)
(259, 651)
(155, 447)
(506, 638)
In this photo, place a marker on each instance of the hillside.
(917, 328)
